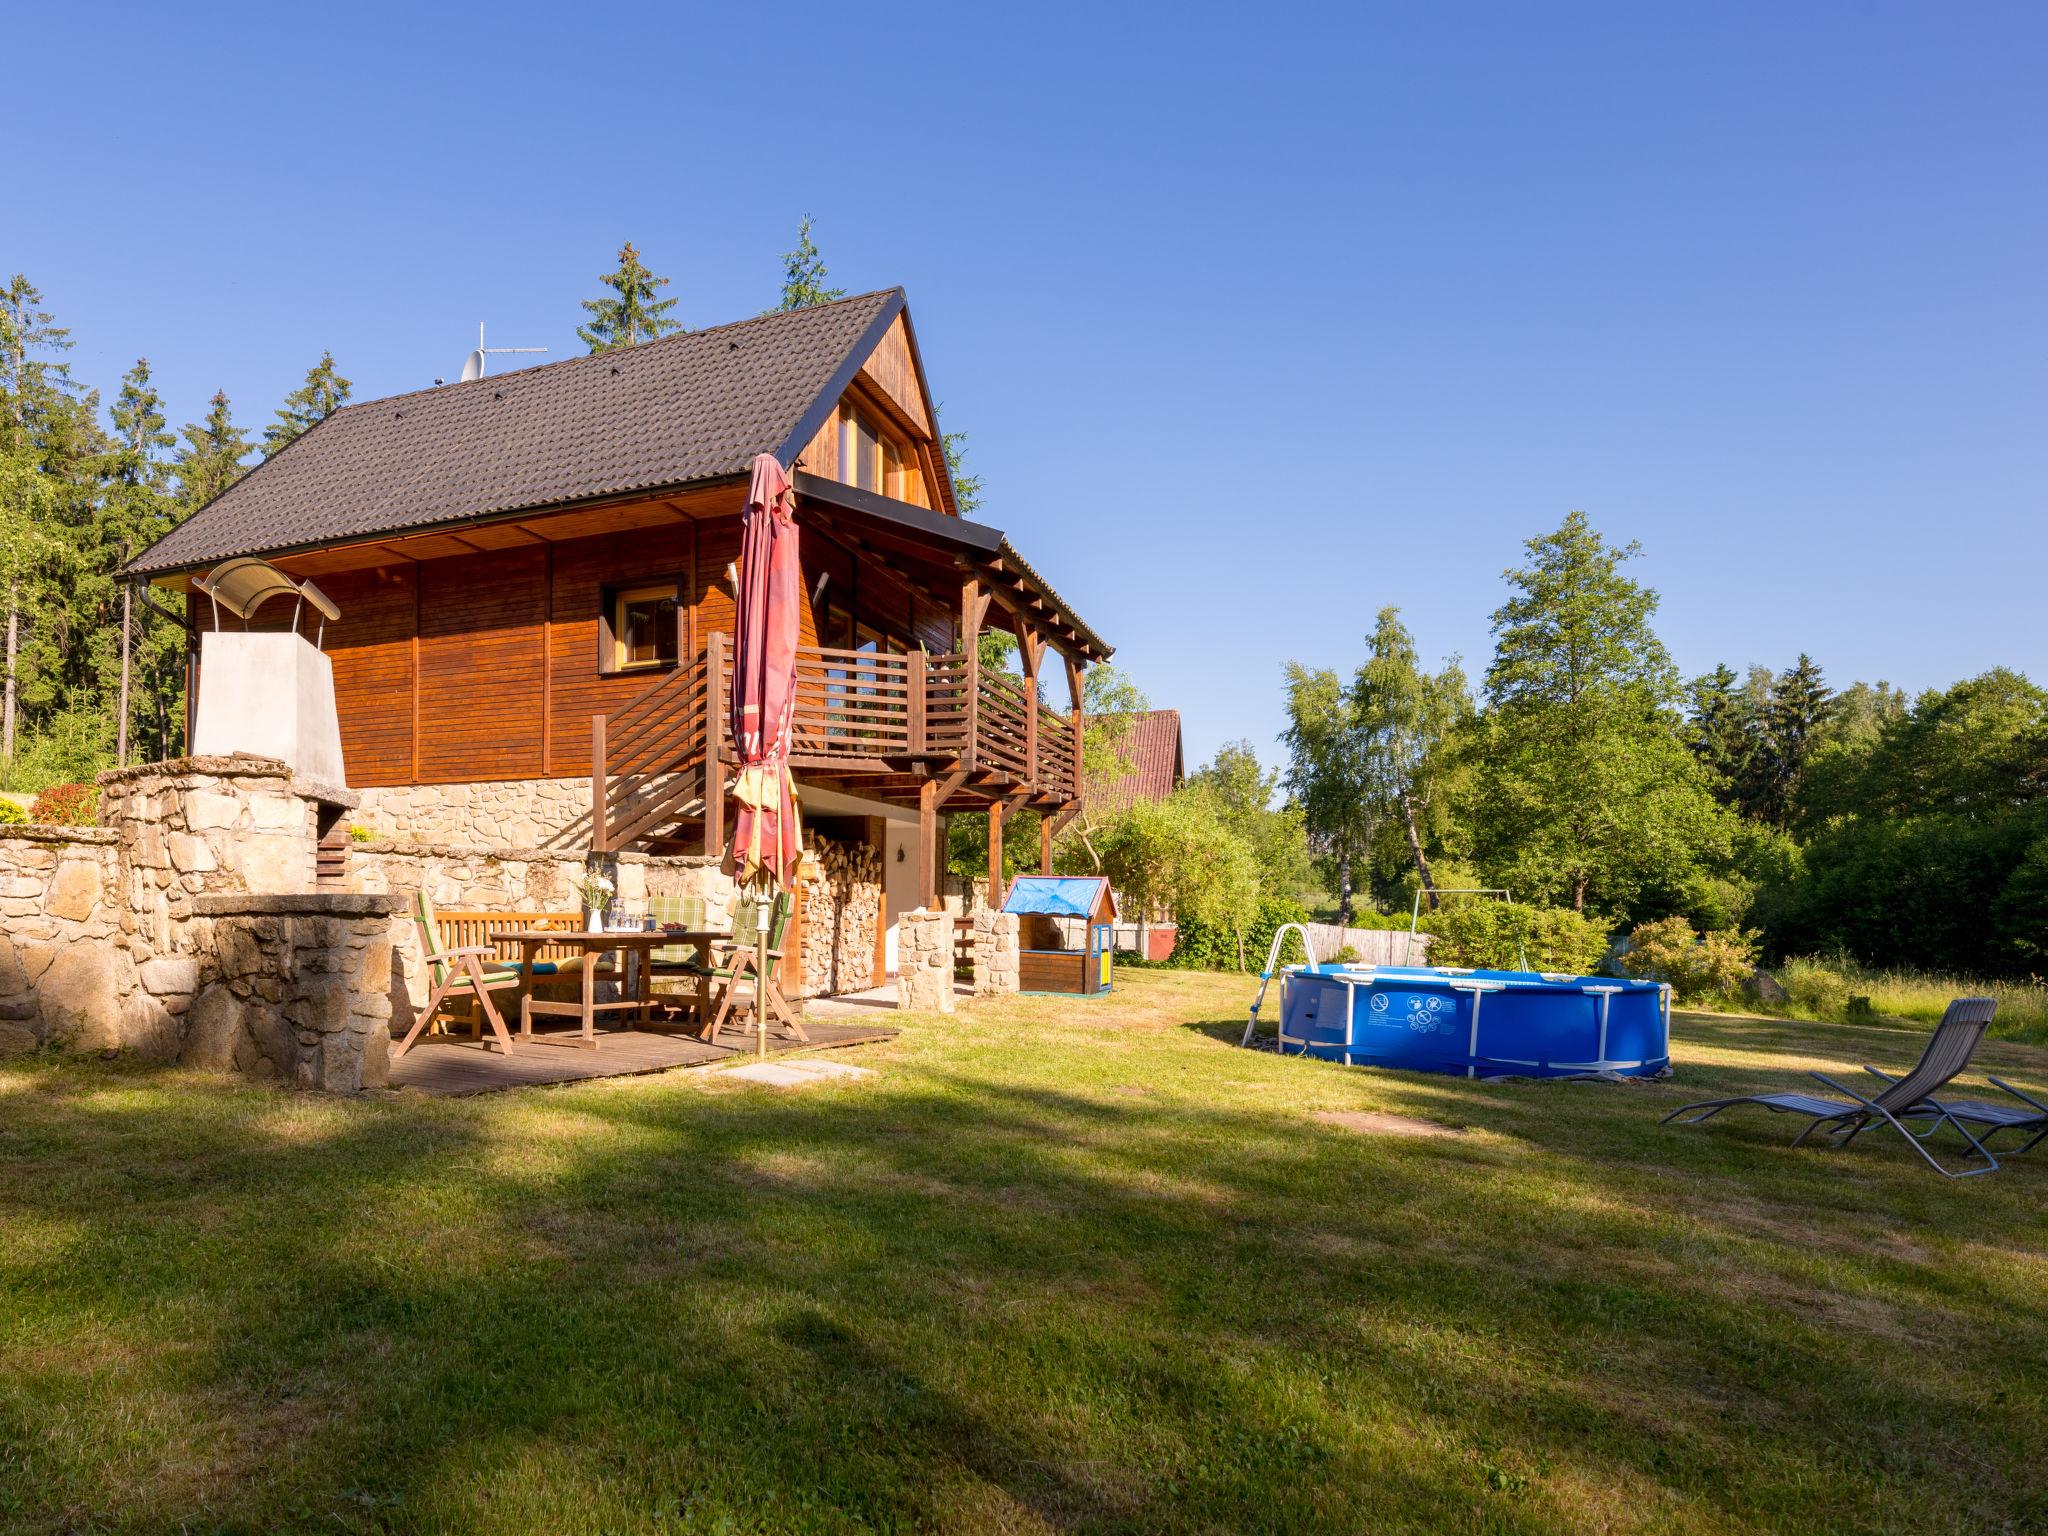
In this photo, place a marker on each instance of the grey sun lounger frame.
(1948, 1052)
(1997, 1117)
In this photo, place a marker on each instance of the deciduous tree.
(1328, 773)
(1587, 791)
(1405, 718)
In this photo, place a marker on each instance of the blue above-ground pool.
(1476, 1023)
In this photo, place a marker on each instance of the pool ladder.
(1273, 969)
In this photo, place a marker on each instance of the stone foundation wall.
(924, 958)
(294, 988)
(549, 814)
(842, 902)
(998, 969)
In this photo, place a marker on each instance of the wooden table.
(633, 941)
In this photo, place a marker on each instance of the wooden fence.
(1373, 946)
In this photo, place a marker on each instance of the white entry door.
(899, 880)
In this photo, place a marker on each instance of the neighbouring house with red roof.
(1158, 766)
(1151, 745)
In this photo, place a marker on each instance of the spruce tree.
(1721, 734)
(139, 509)
(803, 273)
(634, 315)
(1800, 704)
(324, 392)
(211, 459)
(30, 387)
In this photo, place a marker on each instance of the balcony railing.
(855, 711)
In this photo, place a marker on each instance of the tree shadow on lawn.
(949, 1302)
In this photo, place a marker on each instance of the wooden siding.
(479, 666)
(890, 370)
(1039, 972)
(495, 654)
(577, 688)
(372, 652)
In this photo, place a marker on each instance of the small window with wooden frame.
(639, 627)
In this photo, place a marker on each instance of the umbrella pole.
(761, 913)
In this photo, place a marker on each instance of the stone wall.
(924, 960)
(293, 988)
(997, 969)
(842, 902)
(186, 928)
(67, 976)
(550, 814)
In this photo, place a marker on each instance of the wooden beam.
(928, 844)
(996, 812)
(599, 786)
(1034, 651)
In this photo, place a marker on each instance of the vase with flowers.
(595, 891)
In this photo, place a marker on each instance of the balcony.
(878, 723)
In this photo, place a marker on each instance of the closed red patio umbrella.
(767, 835)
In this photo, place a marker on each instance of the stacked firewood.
(842, 901)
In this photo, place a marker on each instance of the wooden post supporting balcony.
(1074, 695)
(997, 810)
(1034, 650)
(973, 608)
(928, 845)
(600, 791)
(716, 683)
(913, 707)
(1045, 845)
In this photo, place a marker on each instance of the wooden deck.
(453, 1068)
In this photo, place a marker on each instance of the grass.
(1062, 1266)
(1822, 989)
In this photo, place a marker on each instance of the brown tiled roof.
(693, 406)
(1152, 746)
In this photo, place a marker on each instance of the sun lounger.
(1948, 1052)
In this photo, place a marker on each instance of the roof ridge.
(656, 341)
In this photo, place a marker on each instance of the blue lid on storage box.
(1056, 895)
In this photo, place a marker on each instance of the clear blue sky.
(1257, 317)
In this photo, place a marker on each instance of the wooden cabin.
(535, 577)
(1066, 933)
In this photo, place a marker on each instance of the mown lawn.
(1063, 1266)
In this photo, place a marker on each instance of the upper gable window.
(874, 461)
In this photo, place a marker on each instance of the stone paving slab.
(797, 1074)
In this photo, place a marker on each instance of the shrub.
(67, 805)
(1345, 956)
(1700, 967)
(358, 833)
(1815, 988)
(11, 813)
(1502, 935)
(1199, 947)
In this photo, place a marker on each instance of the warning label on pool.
(1420, 1011)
